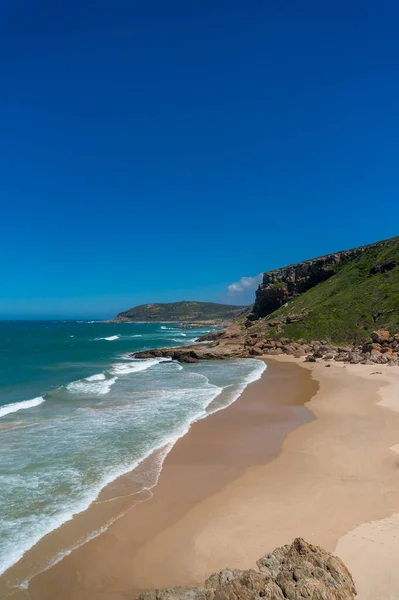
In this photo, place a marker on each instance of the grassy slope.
(349, 305)
(183, 311)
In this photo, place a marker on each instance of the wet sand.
(249, 479)
(217, 450)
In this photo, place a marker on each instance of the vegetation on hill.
(361, 296)
(182, 312)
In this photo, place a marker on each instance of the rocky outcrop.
(385, 351)
(282, 285)
(386, 265)
(278, 323)
(194, 353)
(300, 571)
(382, 348)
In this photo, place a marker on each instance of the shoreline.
(74, 533)
(81, 527)
(332, 481)
(189, 324)
(211, 465)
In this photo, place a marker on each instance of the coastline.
(217, 449)
(183, 323)
(333, 482)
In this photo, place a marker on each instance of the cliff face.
(300, 571)
(282, 285)
(341, 301)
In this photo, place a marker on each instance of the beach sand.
(216, 450)
(227, 495)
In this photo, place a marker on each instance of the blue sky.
(159, 151)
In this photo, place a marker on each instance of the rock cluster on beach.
(295, 572)
(382, 348)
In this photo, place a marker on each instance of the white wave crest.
(199, 397)
(111, 338)
(136, 365)
(96, 385)
(16, 406)
(96, 377)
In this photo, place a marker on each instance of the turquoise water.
(76, 412)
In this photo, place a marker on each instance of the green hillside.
(360, 297)
(182, 312)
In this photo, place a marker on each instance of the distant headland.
(184, 312)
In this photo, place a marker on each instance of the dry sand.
(335, 483)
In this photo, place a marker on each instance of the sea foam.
(99, 384)
(153, 404)
(16, 406)
(136, 365)
(96, 385)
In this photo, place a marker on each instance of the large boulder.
(305, 571)
(381, 336)
(296, 572)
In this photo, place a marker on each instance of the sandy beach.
(253, 477)
(217, 450)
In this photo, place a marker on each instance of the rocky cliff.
(282, 285)
(295, 572)
(341, 298)
(346, 303)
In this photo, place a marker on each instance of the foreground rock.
(294, 572)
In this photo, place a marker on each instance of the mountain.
(185, 312)
(341, 297)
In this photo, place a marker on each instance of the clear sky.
(160, 151)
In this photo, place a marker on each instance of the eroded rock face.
(300, 571)
(306, 571)
(281, 285)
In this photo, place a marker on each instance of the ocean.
(76, 412)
